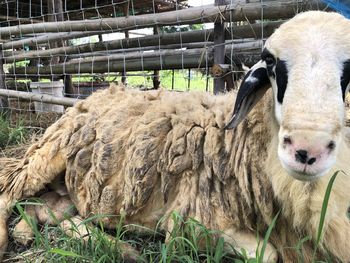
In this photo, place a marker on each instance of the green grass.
(182, 81)
(51, 244)
(11, 135)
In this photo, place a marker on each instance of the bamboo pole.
(203, 14)
(248, 31)
(19, 19)
(47, 38)
(141, 49)
(38, 97)
(171, 59)
(108, 74)
(239, 47)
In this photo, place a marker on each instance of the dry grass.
(17, 151)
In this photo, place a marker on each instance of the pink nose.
(304, 152)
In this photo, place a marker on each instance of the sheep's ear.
(253, 87)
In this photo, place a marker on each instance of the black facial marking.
(270, 62)
(276, 69)
(345, 78)
(281, 79)
(261, 75)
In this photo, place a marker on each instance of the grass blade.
(324, 211)
(266, 238)
(65, 253)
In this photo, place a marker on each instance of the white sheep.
(146, 154)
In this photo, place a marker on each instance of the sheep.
(146, 154)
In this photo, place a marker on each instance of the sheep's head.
(307, 64)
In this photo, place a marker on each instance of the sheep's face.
(307, 64)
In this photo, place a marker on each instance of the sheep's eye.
(270, 61)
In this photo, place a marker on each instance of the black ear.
(253, 87)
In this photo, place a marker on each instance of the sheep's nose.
(302, 156)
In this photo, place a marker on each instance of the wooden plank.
(155, 78)
(126, 35)
(3, 99)
(219, 49)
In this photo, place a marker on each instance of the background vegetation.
(10, 135)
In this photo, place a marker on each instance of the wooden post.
(3, 100)
(32, 62)
(173, 79)
(126, 34)
(156, 31)
(55, 14)
(189, 80)
(69, 89)
(51, 12)
(156, 80)
(55, 11)
(207, 82)
(219, 49)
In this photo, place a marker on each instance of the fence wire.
(69, 49)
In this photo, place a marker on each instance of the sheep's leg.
(42, 169)
(23, 232)
(250, 243)
(56, 208)
(53, 210)
(4, 214)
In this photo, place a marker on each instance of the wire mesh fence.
(55, 52)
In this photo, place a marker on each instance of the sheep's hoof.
(75, 228)
(270, 255)
(23, 233)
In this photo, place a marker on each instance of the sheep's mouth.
(305, 166)
(304, 175)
